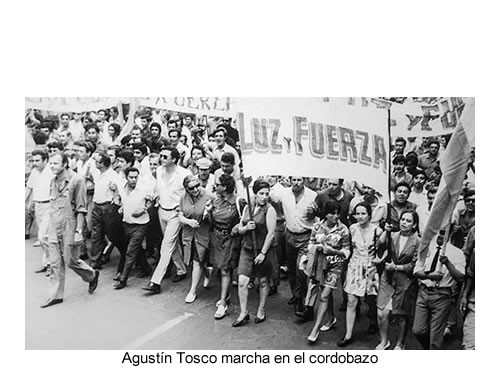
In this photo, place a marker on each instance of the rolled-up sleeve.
(79, 194)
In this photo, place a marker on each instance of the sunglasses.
(163, 156)
(191, 188)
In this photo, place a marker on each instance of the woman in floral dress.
(328, 251)
(361, 278)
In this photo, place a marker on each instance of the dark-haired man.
(169, 189)
(220, 135)
(428, 161)
(135, 204)
(38, 186)
(106, 220)
(67, 216)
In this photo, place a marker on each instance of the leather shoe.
(119, 285)
(152, 288)
(41, 269)
(308, 314)
(344, 342)
(178, 278)
(242, 321)
(299, 308)
(292, 300)
(51, 302)
(258, 319)
(93, 283)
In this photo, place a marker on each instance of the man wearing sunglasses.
(169, 189)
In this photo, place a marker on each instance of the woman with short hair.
(195, 230)
(398, 287)
(257, 257)
(223, 216)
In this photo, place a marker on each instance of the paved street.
(129, 319)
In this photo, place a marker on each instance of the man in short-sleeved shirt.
(135, 201)
(38, 186)
(437, 281)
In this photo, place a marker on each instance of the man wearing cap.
(207, 180)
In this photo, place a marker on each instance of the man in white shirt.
(439, 271)
(106, 221)
(222, 147)
(169, 190)
(38, 187)
(297, 201)
(135, 204)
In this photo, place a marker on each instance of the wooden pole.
(388, 218)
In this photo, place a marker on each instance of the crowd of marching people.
(168, 191)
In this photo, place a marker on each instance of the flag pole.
(246, 182)
(388, 219)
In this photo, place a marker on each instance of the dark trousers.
(296, 247)
(134, 235)
(153, 233)
(107, 221)
(431, 312)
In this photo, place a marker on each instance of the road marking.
(156, 332)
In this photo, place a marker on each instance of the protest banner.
(214, 106)
(305, 137)
(417, 117)
(75, 105)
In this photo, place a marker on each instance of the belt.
(302, 233)
(223, 231)
(437, 288)
(103, 203)
(41, 201)
(169, 209)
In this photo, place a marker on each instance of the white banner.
(306, 137)
(419, 117)
(75, 105)
(215, 106)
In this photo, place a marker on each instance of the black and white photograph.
(226, 223)
(222, 184)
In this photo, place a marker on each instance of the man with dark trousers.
(105, 217)
(135, 204)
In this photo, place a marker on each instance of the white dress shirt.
(295, 213)
(40, 183)
(170, 190)
(102, 181)
(133, 201)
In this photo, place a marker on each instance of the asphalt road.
(129, 319)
